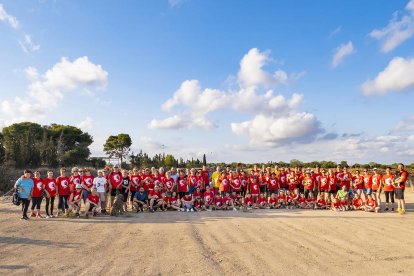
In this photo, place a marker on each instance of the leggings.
(50, 200)
(387, 196)
(25, 206)
(36, 201)
(63, 202)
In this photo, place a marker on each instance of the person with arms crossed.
(24, 187)
(100, 182)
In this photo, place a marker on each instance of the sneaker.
(192, 210)
(23, 218)
(399, 210)
(152, 210)
(402, 211)
(47, 216)
(77, 215)
(392, 209)
(178, 210)
(188, 210)
(386, 209)
(182, 210)
(234, 209)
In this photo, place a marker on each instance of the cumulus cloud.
(341, 52)
(405, 125)
(251, 71)
(7, 18)
(46, 92)
(399, 29)
(27, 45)
(86, 124)
(397, 76)
(275, 117)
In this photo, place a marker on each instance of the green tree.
(204, 160)
(118, 146)
(344, 164)
(169, 161)
(2, 151)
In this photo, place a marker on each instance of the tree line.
(29, 144)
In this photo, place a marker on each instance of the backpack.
(16, 199)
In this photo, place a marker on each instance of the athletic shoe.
(152, 210)
(178, 210)
(47, 216)
(23, 218)
(386, 209)
(392, 209)
(192, 210)
(399, 210)
(77, 215)
(402, 211)
(188, 210)
(182, 210)
(234, 209)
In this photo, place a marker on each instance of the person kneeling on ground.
(187, 202)
(172, 201)
(357, 203)
(140, 200)
(228, 203)
(371, 205)
(92, 204)
(155, 199)
(75, 199)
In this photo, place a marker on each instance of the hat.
(375, 169)
(78, 186)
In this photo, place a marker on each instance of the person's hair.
(27, 171)
(49, 171)
(74, 169)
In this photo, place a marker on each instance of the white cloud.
(405, 125)
(27, 45)
(336, 31)
(7, 18)
(147, 143)
(399, 29)
(251, 71)
(46, 92)
(275, 118)
(341, 52)
(274, 130)
(397, 76)
(175, 3)
(86, 124)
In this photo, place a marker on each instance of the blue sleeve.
(18, 182)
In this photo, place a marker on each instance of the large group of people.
(79, 193)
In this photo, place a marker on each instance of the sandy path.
(280, 242)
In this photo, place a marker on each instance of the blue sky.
(248, 81)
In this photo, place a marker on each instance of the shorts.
(91, 208)
(367, 191)
(272, 192)
(192, 189)
(399, 193)
(262, 189)
(115, 192)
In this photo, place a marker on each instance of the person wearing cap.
(101, 183)
(24, 187)
(50, 192)
(75, 200)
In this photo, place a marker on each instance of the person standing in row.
(24, 186)
(37, 195)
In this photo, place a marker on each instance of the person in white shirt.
(100, 183)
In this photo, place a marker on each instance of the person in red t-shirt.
(387, 182)
(376, 186)
(115, 183)
(63, 190)
(155, 199)
(399, 187)
(333, 184)
(371, 205)
(310, 202)
(272, 201)
(248, 201)
(50, 191)
(208, 198)
(323, 183)
(37, 195)
(87, 183)
(346, 179)
(357, 182)
(321, 203)
(308, 184)
(205, 176)
(237, 199)
(173, 202)
(254, 188)
(367, 184)
(273, 183)
(93, 203)
(357, 203)
(262, 201)
(301, 201)
(75, 200)
(217, 202)
(135, 181)
(181, 184)
(227, 202)
(336, 205)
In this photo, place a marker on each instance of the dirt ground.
(262, 242)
